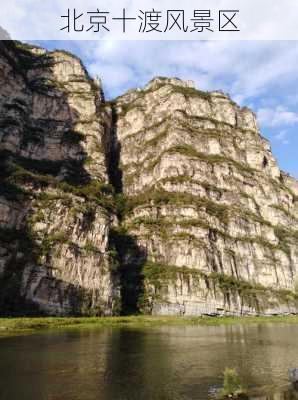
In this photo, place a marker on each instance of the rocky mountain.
(166, 200)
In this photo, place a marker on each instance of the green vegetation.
(181, 236)
(22, 236)
(18, 173)
(43, 85)
(126, 107)
(186, 179)
(222, 212)
(127, 258)
(254, 295)
(156, 139)
(99, 193)
(75, 57)
(121, 205)
(17, 109)
(10, 187)
(232, 386)
(162, 197)
(213, 159)
(16, 326)
(12, 192)
(285, 237)
(284, 234)
(32, 135)
(89, 247)
(21, 170)
(164, 228)
(218, 125)
(148, 165)
(188, 92)
(283, 210)
(159, 226)
(11, 300)
(48, 243)
(159, 274)
(190, 123)
(280, 186)
(26, 59)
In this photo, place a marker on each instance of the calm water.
(165, 363)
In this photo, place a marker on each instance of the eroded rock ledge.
(166, 200)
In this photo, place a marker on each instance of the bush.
(89, 247)
(232, 387)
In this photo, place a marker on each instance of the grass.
(190, 92)
(16, 326)
(165, 229)
(163, 197)
(187, 92)
(19, 173)
(232, 387)
(158, 274)
(11, 191)
(188, 151)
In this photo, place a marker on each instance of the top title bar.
(149, 19)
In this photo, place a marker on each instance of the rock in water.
(293, 375)
(166, 200)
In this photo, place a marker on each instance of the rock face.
(166, 200)
(56, 203)
(214, 216)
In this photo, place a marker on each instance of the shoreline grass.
(16, 326)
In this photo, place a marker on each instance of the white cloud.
(260, 74)
(282, 137)
(244, 69)
(279, 116)
(114, 76)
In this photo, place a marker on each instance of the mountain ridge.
(166, 200)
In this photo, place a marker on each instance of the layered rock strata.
(166, 200)
(207, 202)
(56, 203)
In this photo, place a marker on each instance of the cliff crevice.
(56, 202)
(166, 200)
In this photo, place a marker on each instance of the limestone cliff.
(56, 204)
(166, 200)
(215, 218)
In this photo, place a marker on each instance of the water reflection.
(289, 394)
(165, 363)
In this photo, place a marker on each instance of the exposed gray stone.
(210, 223)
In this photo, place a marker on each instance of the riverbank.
(16, 326)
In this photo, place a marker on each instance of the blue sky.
(259, 74)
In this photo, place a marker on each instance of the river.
(164, 363)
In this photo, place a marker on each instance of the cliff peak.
(166, 200)
(157, 81)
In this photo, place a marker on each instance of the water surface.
(165, 363)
